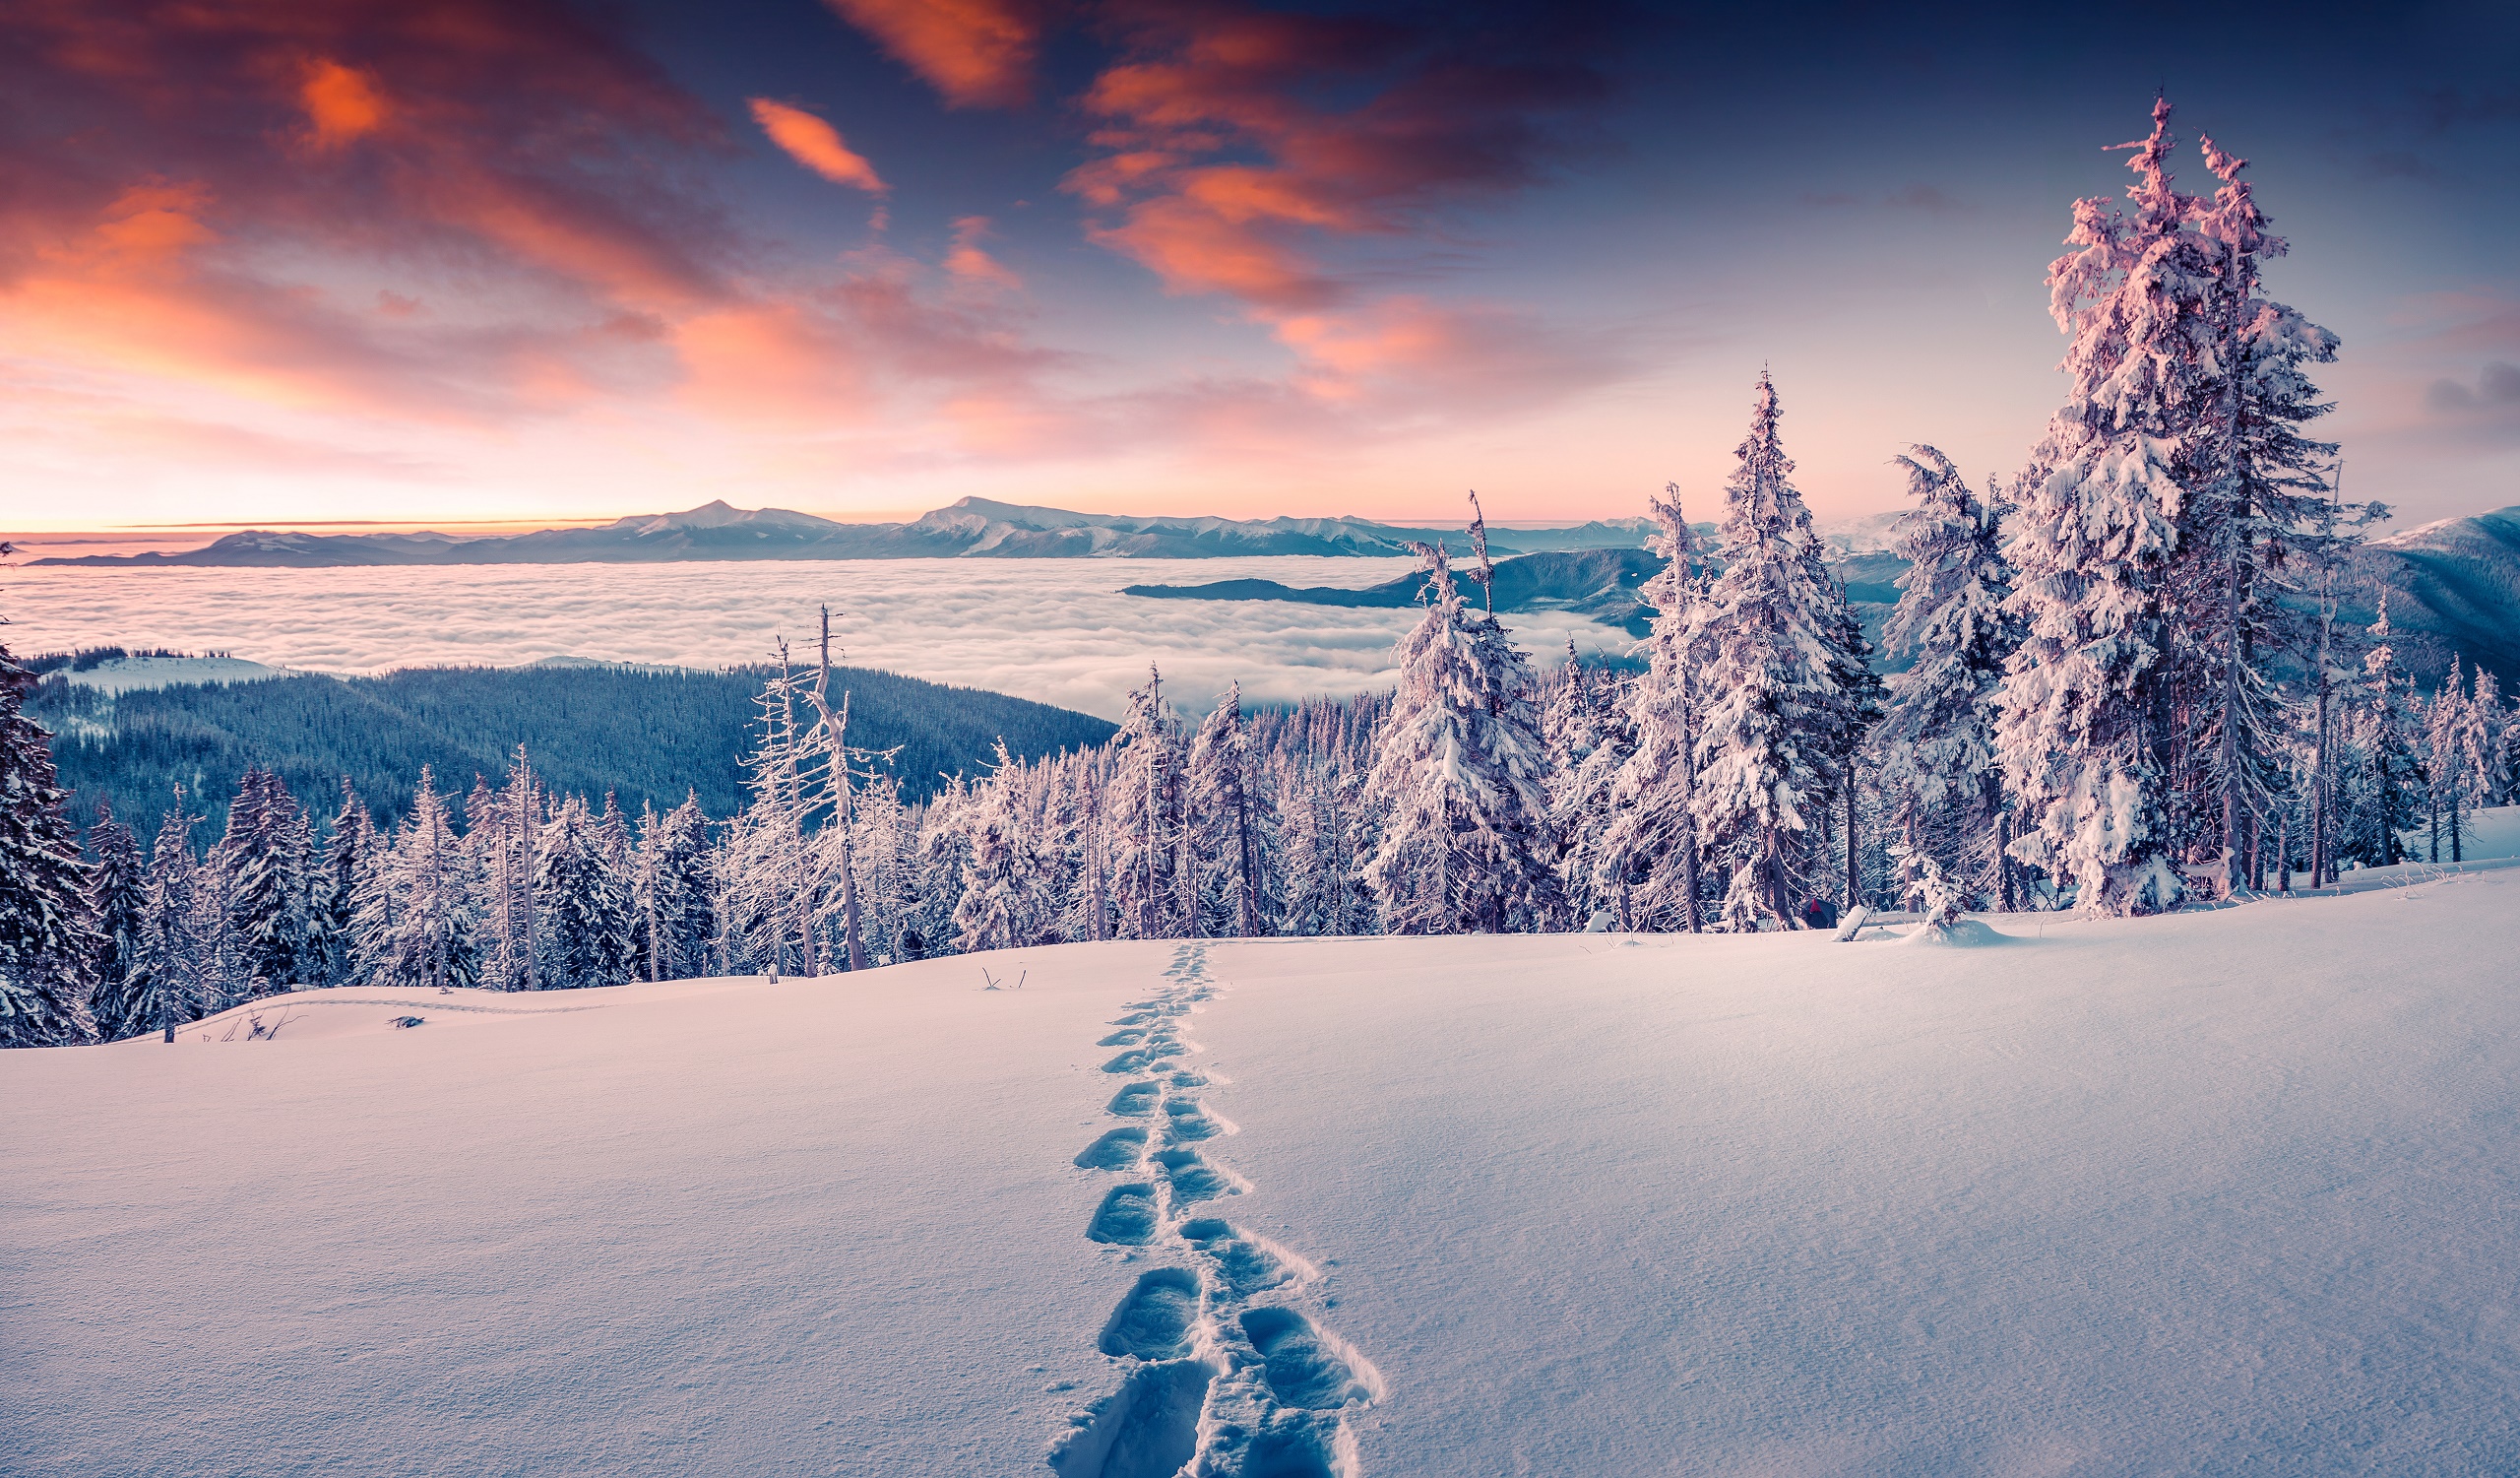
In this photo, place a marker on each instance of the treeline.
(648, 737)
(2128, 687)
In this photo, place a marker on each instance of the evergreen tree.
(2088, 696)
(2259, 505)
(1234, 826)
(165, 987)
(886, 852)
(669, 893)
(1786, 684)
(222, 980)
(117, 888)
(265, 856)
(941, 865)
(48, 937)
(350, 855)
(1937, 745)
(1002, 902)
(1466, 845)
(2388, 741)
(1143, 817)
(1648, 854)
(416, 920)
(583, 898)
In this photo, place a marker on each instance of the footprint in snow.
(1126, 1218)
(1136, 1099)
(1192, 1179)
(1159, 1319)
(1119, 1149)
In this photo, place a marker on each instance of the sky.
(439, 261)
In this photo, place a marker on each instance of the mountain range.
(973, 528)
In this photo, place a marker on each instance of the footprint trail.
(1221, 1376)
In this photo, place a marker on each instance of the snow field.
(2211, 1193)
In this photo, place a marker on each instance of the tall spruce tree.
(264, 853)
(1002, 903)
(117, 888)
(1143, 817)
(1787, 686)
(669, 893)
(2089, 733)
(1648, 854)
(350, 854)
(1466, 844)
(48, 937)
(415, 923)
(167, 989)
(2257, 515)
(583, 897)
(2388, 737)
(1233, 826)
(1937, 743)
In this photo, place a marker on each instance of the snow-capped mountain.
(979, 528)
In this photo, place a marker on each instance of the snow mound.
(1959, 934)
(2212, 1192)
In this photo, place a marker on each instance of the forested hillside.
(644, 735)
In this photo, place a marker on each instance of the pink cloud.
(976, 52)
(817, 146)
(970, 263)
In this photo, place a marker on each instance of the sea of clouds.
(1059, 631)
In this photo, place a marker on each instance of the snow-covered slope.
(123, 674)
(2216, 1193)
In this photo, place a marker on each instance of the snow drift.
(2205, 1193)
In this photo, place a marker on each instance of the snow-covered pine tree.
(1233, 826)
(1788, 687)
(1647, 857)
(940, 863)
(1078, 843)
(887, 853)
(1937, 743)
(46, 935)
(117, 887)
(2388, 738)
(670, 894)
(350, 855)
(1466, 845)
(583, 899)
(1589, 725)
(166, 990)
(2259, 505)
(223, 981)
(415, 923)
(264, 856)
(2084, 731)
(1142, 817)
(2475, 758)
(776, 894)
(1003, 902)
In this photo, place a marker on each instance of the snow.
(2489, 839)
(123, 674)
(1053, 631)
(2200, 1193)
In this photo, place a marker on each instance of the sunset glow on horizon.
(519, 261)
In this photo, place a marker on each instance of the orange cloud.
(340, 103)
(817, 146)
(973, 264)
(976, 52)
